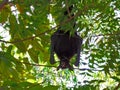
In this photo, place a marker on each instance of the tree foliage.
(25, 44)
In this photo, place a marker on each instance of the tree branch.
(31, 64)
(30, 38)
(4, 2)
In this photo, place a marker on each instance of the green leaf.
(7, 66)
(4, 15)
(33, 54)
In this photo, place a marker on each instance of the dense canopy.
(25, 30)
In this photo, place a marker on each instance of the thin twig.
(117, 87)
(31, 64)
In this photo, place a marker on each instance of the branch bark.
(4, 2)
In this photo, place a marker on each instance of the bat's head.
(64, 64)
